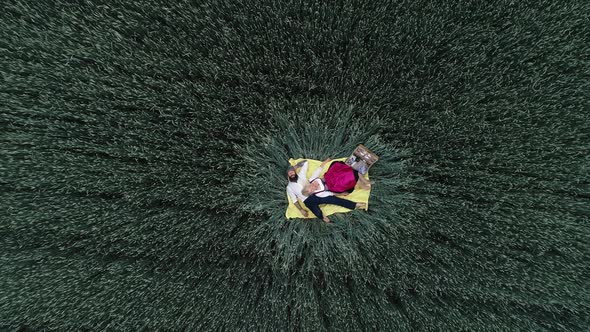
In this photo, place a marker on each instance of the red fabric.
(340, 177)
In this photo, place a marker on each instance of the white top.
(323, 191)
(294, 188)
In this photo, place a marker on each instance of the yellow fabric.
(358, 195)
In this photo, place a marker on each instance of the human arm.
(312, 204)
(300, 163)
(346, 193)
(293, 198)
(301, 209)
(319, 170)
(302, 173)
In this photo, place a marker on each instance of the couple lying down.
(339, 180)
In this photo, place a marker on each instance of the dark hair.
(295, 177)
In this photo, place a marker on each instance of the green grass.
(143, 148)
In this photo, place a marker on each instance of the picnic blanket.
(358, 195)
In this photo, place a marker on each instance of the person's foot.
(366, 184)
(361, 206)
(327, 220)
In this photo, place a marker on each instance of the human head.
(310, 188)
(291, 174)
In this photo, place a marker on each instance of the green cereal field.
(144, 148)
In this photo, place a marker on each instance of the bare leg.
(364, 183)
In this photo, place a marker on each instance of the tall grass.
(143, 148)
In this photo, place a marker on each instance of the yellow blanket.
(358, 195)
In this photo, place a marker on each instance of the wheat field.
(143, 148)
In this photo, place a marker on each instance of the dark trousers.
(312, 202)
